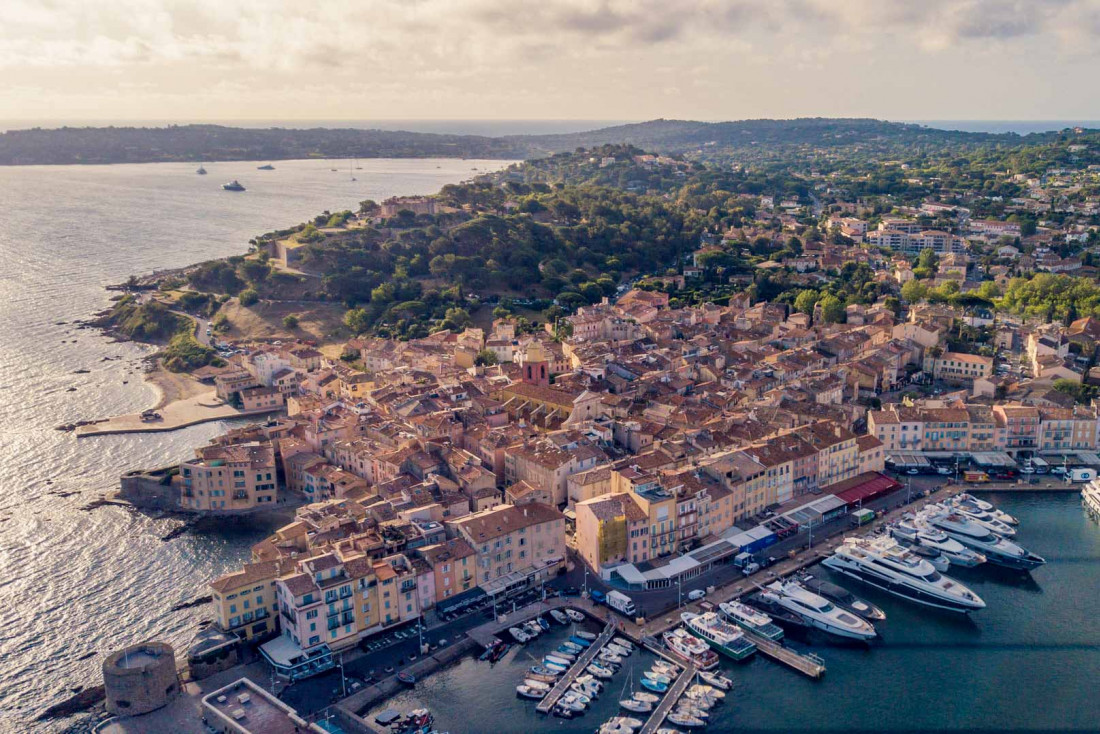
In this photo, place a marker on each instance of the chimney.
(836, 429)
(525, 512)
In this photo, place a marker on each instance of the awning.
(460, 601)
(863, 487)
(630, 574)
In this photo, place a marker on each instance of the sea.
(76, 585)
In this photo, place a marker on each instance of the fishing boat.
(690, 649)
(574, 615)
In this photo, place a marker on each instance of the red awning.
(863, 487)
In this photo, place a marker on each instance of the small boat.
(563, 713)
(628, 722)
(267, 167)
(655, 686)
(659, 677)
(557, 660)
(590, 636)
(660, 666)
(528, 692)
(636, 706)
(687, 709)
(499, 652)
(201, 171)
(574, 615)
(584, 695)
(720, 682)
(621, 651)
(559, 653)
(623, 642)
(233, 185)
(684, 720)
(532, 628)
(709, 691)
(610, 657)
(572, 647)
(519, 635)
(580, 641)
(543, 623)
(559, 616)
(537, 672)
(488, 653)
(554, 667)
(407, 678)
(538, 685)
(572, 699)
(600, 671)
(647, 697)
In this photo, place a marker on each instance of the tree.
(486, 358)
(914, 291)
(249, 297)
(806, 300)
(358, 320)
(254, 271)
(832, 310)
(290, 321)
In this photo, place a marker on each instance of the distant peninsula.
(195, 143)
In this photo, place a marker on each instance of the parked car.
(696, 594)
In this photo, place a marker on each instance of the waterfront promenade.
(179, 414)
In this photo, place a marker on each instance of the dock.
(808, 664)
(575, 670)
(671, 698)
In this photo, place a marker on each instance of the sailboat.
(351, 169)
(201, 171)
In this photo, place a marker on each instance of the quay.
(486, 634)
(808, 664)
(671, 698)
(575, 669)
(191, 411)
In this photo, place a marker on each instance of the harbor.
(914, 639)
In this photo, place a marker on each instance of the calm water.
(79, 583)
(1029, 662)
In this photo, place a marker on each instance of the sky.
(193, 60)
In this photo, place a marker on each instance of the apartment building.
(514, 545)
(233, 478)
(245, 602)
(957, 367)
(612, 529)
(454, 567)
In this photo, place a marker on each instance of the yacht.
(920, 534)
(1090, 498)
(233, 185)
(724, 637)
(748, 618)
(968, 499)
(996, 549)
(843, 598)
(886, 565)
(817, 611)
(690, 649)
(982, 517)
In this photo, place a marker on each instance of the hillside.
(707, 139)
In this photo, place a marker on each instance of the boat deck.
(576, 669)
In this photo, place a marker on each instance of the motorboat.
(967, 500)
(559, 653)
(658, 677)
(538, 685)
(643, 696)
(580, 695)
(919, 534)
(233, 185)
(690, 649)
(528, 692)
(559, 616)
(543, 623)
(720, 682)
(518, 635)
(844, 598)
(1090, 499)
(655, 686)
(572, 701)
(572, 647)
(623, 642)
(636, 706)
(938, 560)
(553, 667)
(982, 517)
(590, 636)
(685, 720)
(817, 611)
(583, 642)
(600, 671)
(532, 628)
(725, 638)
(997, 550)
(558, 659)
(711, 691)
(609, 657)
(883, 563)
(574, 615)
(751, 619)
(618, 649)
(663, 666)
(265, 167)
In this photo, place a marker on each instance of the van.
(696, 594)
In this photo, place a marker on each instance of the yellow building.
(229, 478)
(612, 529)
(244, 601)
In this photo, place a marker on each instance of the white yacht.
(817, 611)
(919, 533)
(967, 498)
(884, 564)
(996, 549)
(1090, 498)
(982, 517)
(751, 619)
